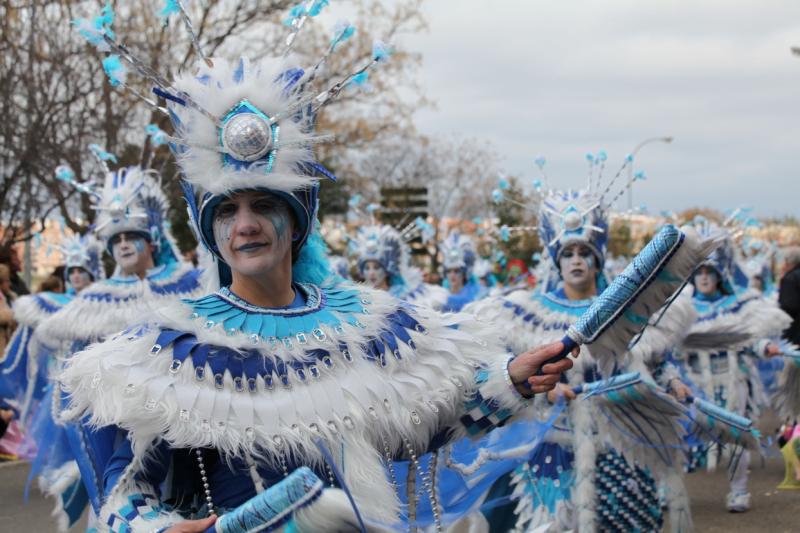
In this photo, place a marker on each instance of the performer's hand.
(524, 367)
(679, 389)
(772, 349)
(193, 526)
(561, 391)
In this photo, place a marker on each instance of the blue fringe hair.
(312, 265)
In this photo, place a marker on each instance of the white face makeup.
(706, 281)
(78, 278)
(578, 266)
(374, 274)
(253, 232)
(132, 253)
(455, 278)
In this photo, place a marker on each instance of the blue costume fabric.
(333, 328)
(65, 461)
(27, 360)
(456, 302)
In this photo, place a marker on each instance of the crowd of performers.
(166, 397)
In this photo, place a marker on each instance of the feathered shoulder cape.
(734, 321)
(355, 368)
(31, 309)
(111, 305)
(531, 318)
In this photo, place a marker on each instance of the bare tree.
(55, 99)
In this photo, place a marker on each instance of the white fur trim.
(204, 167)
(88, 319)
(412, 398)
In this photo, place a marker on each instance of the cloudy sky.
(563, 78)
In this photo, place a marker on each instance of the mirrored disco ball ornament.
(572, 220)
(247, 137)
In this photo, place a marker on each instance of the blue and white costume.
(130, 200)
(724, 344)
(387, 247)
(213, 399)
(588, 474)
(29, 358)
(458, 252)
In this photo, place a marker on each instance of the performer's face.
(374, 274)
(79, 279)
(706, 281)
(253, 231)
(132, 253)
(578, 266)
(455, 278)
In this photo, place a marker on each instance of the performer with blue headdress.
(734, 328)
(458, 260)
(600, 466)
(275, 399)
(132, 227)
(383, 258)
(29, 356)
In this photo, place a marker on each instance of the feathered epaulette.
(735, 320)
(31, 309)
(427, 295)
(111, 305)
(354, 367)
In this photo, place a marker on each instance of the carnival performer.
(589, 475)
(458, 261)
(216, 399)
(383, 259)
(731, 333)
(29, 357)
(132, 226)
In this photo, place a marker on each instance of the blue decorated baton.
(651, 279)
(724, 426)
(273, 507)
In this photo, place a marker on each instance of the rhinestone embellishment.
(247, 137)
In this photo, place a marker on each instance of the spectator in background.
(7, 297)
(789, 292)
(52, 284)
(10, 258)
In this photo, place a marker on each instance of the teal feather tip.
(64, 173)
(360, 80)
(342, 31)
(381, 52)
(170, 8)
(317, 7)
(116, 71)
(157, 136)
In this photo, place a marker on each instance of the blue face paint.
(139, 245)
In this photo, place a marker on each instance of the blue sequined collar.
(557, 301)
(329, 305)
(153, 274)
(313, 296)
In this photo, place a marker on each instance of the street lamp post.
(633, 155)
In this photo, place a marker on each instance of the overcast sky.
(563, 78)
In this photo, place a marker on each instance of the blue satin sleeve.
(156, 464)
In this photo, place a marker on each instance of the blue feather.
(312, 264)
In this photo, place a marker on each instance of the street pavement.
(773, 511)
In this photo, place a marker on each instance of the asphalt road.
(773, 511)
